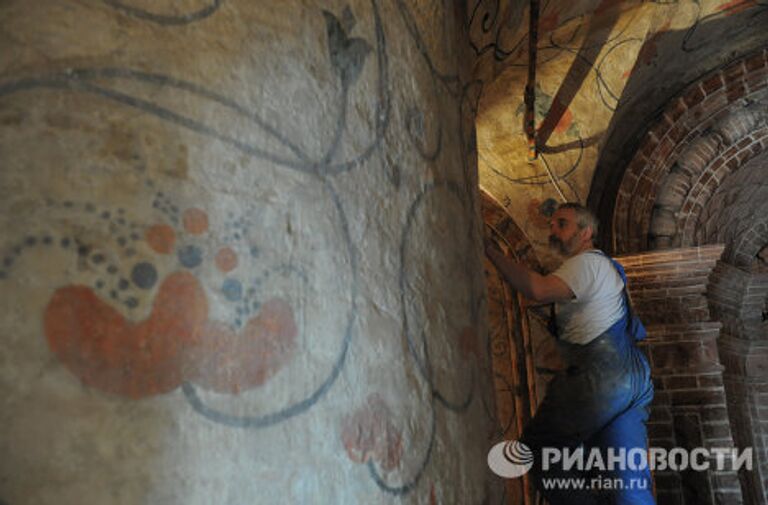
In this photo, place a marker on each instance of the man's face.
(564, 234)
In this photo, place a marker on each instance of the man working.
(601, 400)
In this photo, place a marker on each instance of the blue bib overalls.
(600, 401)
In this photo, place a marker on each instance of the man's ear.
(587, 233)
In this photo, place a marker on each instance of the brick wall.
(737, 297)
(669, 290)
(699, 177)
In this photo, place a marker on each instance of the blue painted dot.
(144, 275)
(548, 207)
(232, 289)
(254, 251)
(190, 256)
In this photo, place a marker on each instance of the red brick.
(733, 73)
(677, 133)
(660, 430)
(712, 84)
(680, 382)
(756, 81)
(677, 110)
(709, 414)
(710, 381)
(649, 146)
(754, 62)
(744, 143)
(735, 92)
(694, 97)
(726, 481)
(665, 149)
(716, 430)
(730, 152)
(743, 156)
(661, 128)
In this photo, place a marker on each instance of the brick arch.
(737, 214)
(706, 133)
(750, 243)
(498, 221)
(742, 138)
(510, 336)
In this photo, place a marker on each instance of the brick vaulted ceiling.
(699, 175)
(608, 72)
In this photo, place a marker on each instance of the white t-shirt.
(599, 301)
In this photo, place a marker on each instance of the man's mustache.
(558, 245)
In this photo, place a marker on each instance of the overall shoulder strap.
(620, 270)
(635, 327)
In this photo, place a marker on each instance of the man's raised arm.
(534, 286)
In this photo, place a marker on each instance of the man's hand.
(493, 249)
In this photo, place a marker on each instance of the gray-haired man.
(600, 401)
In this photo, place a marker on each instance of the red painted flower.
(228, 361)
(369, 434)
(108, 352)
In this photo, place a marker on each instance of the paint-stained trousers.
(600, 401)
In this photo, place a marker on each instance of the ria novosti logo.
(510, 459)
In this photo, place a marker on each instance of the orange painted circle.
(160, 238)
(195, 221)
(226, 259)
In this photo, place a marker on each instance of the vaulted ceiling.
(606, 73)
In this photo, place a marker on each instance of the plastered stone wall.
(240, 255)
